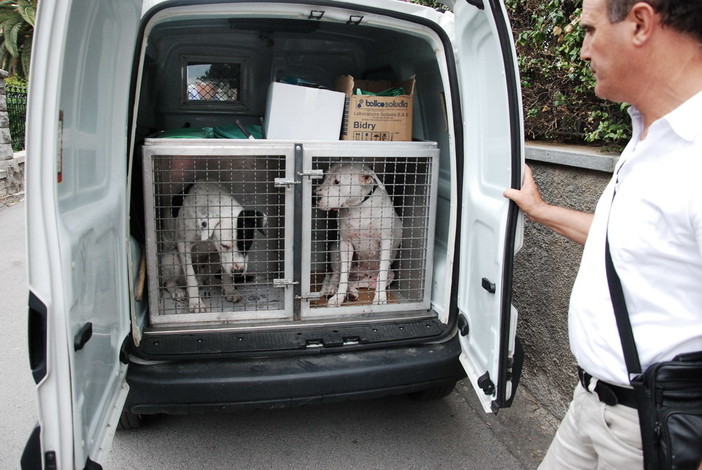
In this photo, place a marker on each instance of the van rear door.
(490, 229)
(76, 171)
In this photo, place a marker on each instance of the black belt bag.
(668, 395)
(670, 412)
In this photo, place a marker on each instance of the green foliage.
(557, 86)
(16, 81)
(429, 3)
(16, 31)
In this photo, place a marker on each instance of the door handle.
(83, 336)
(37, 337)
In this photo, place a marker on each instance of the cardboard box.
(368, 117)
(302, 113)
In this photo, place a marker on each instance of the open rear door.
(76, 224)
(490, 227)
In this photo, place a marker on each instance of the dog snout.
(234, 262)
(238, 268)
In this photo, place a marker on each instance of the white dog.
(211, 219)
(370, 232)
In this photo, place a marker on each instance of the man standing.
(648, 54)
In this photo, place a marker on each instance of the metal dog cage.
(288, 261)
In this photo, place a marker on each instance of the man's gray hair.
(684, 16)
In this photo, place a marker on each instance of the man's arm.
(570, 223)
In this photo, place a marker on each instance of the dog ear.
(177, 200)
(367, 176)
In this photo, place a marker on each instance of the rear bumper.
(279, 382)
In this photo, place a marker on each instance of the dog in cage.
(370, 233)
(213, 236)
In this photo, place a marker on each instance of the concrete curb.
(571, 155)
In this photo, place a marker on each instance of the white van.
(134, 102)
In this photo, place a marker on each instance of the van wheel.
(433, 393)
(129, 420)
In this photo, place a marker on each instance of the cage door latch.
(284, 282)
(284, 182)
(309, 296)
(312, 174)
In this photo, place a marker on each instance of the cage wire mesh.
(407, 181)
(239, 182)
(250, 183)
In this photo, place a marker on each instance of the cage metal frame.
(374, 155)
(304, 166)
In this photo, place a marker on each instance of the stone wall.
(546, 267)
(12, 177)
(5, 139)
(11, 165)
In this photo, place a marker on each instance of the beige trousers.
(595, 436)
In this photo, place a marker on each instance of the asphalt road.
(388, 433)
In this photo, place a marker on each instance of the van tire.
(129, 420)
(433, 393)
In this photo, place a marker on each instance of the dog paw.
(233, 297)
(326, 291)
(177, 294)
(328, 286)
(381, 298)
(336, 300)
(197, 306)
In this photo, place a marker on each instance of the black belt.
(608, 393)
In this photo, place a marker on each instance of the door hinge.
(477, 3)
(463, 326)
(90, 465)
(486, 384)
(50, 460)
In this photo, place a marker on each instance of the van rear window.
(212, 81)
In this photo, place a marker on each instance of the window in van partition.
(212, 81)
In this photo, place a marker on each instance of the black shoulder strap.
(647, 417)
(626, 335)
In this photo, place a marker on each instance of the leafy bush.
(16, 32)
(557, 86)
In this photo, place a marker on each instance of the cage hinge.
(284, 282)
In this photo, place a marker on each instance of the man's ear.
(645, 21)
